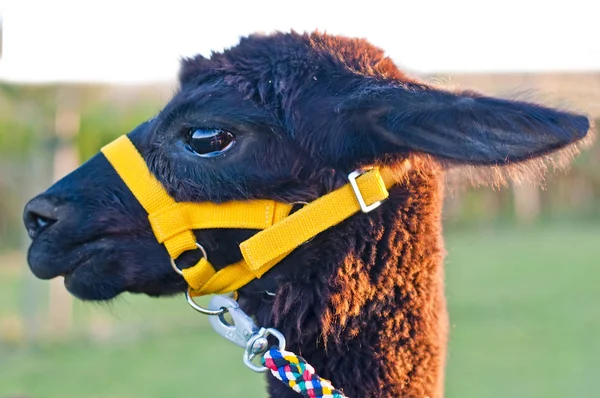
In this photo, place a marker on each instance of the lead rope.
(291, 369)
(300, 376)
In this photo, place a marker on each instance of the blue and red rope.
(294, 371)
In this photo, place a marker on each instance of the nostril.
(38, 217)
(36, 223)
(42, 221)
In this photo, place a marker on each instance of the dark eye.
(210, 142)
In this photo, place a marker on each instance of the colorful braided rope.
(293, 370)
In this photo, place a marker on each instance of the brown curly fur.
(365, 304)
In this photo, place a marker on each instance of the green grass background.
(525, 322)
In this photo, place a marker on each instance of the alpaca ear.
(463, 127)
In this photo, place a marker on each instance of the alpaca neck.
(370, 317)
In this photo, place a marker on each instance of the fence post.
(66, 159)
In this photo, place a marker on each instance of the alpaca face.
(283, 117)
(90, 228)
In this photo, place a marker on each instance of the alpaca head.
(283, 117)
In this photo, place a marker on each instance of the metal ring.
(277, 334)
(299, 202)
(262, 334)
(201, 309)
(176, 269)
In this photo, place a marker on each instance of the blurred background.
(523, 265)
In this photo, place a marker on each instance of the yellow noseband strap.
(173, 222)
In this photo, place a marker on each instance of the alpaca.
(287, 117)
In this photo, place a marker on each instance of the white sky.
(141, 41)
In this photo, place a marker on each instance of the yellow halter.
(173, 222)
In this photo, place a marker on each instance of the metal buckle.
(361, 201)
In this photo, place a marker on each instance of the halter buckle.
(361, 201)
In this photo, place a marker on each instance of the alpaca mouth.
(68, 275)
(43, 271)
(100, 269)
(46, 261)
(73, 267)
(79, 281)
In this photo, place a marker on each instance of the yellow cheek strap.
(173, 222)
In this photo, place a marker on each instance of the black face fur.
(305, 110)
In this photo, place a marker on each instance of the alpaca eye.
(209, 142)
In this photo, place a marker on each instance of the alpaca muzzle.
(281, 232)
